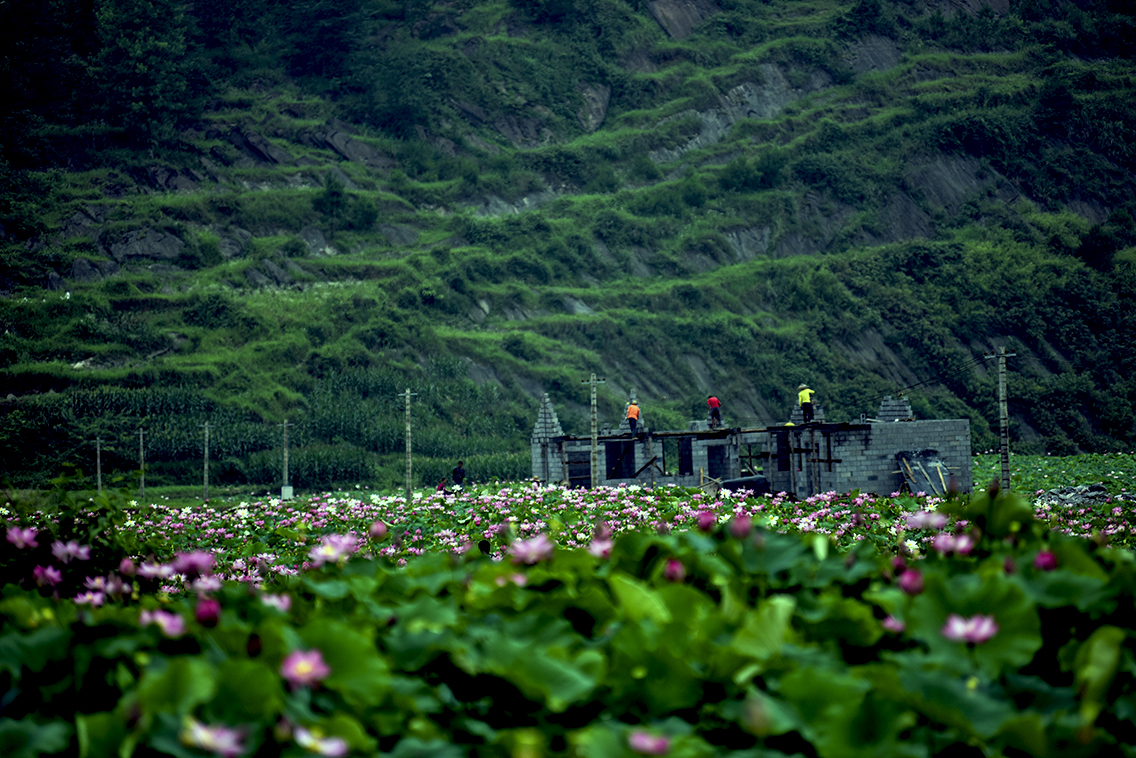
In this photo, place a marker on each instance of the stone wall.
(808, 460)
(801, 459)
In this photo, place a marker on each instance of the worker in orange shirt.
(633, 416)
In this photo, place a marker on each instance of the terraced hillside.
(242, 213)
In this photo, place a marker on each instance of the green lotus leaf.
(176, 685)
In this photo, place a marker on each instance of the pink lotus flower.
(925, 520)
(944, 543)
(674, 571)
(208, 612)
(279, 602)
(126, 567)
(377, 531)
(65, 552)
(116, 587)
(964, 544)
(601, 548)
(892, 624)
(203, 585)
(1046, 560)
(22, 538)
(219, 740)
(741, 526)
(976, 629)
(150, 570)
(706, 520)
(911, 582)
(47, 575)
(193, 564)
(539, 548)
(646, 743)
(171, 624)
(314, 742)
(93, 599)
(333, 548)
(303, 668)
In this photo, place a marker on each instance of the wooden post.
(141, 464)
(595, 466)
(285, 487)
(205, 487)
(1003, 414)
(651, 456)
(408, 395)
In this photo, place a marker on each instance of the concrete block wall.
(895, 409)
(949, 437)
(863, 457)
(841, 457)
(547, 463)
(797, 416)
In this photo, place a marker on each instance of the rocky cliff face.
(679, 17)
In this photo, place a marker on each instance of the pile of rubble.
(1079, 496)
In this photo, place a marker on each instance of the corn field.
(350, 428)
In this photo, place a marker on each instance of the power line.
(939, 378)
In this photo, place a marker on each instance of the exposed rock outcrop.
(399, 235)
(337, 137)
(260, 148)
(874, 53)
(592, 113)
(316, 241)
(947, 181)
(86, 271)
(82, 224)
(760, 100)
(523, 131)
(679, 17)
(146, 244)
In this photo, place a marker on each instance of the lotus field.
(524, 621)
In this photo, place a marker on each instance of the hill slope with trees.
(245, 213)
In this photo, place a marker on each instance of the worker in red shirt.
(715, 411)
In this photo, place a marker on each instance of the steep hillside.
(240, 213)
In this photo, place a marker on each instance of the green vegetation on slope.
(864, 195)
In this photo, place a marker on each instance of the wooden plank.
(643, 467)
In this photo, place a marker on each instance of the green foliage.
(738, 638)
(724, 214)
(141, 67)
(753, 175)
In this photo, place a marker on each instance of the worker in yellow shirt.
(805, 400)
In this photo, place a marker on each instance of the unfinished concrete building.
(879, 455)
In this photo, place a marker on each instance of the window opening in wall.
(579, 464)
(716, 465)
(751, 459)
(781, 450)
(670, 456)
(685, 456)
(620, 459)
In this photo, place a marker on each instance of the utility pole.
(142, 464)
(285, 488)
(408, 394)
(206, 487)
(595, 432)
(1003, 413)
(99, 463)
